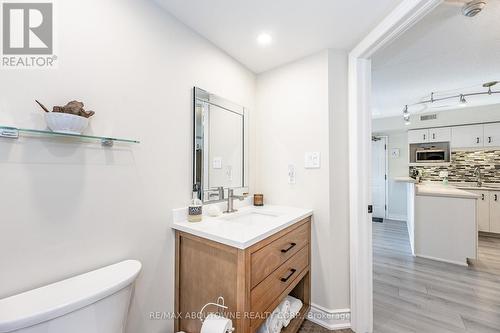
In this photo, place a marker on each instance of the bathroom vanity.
(253, 258)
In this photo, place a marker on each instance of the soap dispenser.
(195, 209)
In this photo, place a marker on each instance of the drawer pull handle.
(496, 197)
(292, 245)
(292, 271)
(482, 196)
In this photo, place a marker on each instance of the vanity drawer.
(271, 288)
(265, 260)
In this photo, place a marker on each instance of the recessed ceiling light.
(264, 39)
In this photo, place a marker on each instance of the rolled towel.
(295, 306)
(275, 322)
(285, 312)
(264, 328)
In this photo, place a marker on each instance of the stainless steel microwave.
(431, 155)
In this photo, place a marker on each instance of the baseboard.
(396, 217)
(459, 263)
(330, 319)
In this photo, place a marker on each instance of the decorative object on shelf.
(71, 118)
(462, 101)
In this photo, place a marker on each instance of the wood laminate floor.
(424, 296)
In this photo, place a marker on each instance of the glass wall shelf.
(14, 133)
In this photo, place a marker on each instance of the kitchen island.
(442, 222)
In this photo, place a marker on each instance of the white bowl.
(66, 123)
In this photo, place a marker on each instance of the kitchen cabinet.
(495, 211)
(492, 135)
(483, 210)
(442, 134)
(467, 136)
(418, 136)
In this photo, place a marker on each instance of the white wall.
(295, 114)
(66, 207)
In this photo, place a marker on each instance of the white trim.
(397, 22)
(397, 217)
(336, 319)
(459, 263)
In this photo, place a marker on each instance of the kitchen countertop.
(473, 186)
(440, 190)
(405, 180)
(255, 224)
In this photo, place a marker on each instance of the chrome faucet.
(219, 194)
(230, 200)
(477, 173)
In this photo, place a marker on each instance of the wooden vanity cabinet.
(252, 281)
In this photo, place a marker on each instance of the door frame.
(403, 17)
(386, 182)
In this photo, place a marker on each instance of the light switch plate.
(312, 160)
(217, 163)
(395, 152)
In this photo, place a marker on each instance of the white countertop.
(440, 190)
(473, 186)
(264, 222)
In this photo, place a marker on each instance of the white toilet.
(94, 302)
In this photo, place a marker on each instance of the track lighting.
(406, 115)
(461, 97)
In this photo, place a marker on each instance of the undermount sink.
(251, 217)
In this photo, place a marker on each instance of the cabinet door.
(495, 211)
(492, 135)
(440, 134)
(483, 210)
(467, 136)
(418, 136)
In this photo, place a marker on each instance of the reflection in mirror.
(219, 146)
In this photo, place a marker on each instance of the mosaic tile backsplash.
(463, 164)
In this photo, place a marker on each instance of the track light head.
(463, 101)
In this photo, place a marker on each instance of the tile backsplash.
(463, 164)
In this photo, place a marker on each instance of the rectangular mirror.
(220, 147)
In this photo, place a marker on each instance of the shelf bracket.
(10, 133)
(107, 142)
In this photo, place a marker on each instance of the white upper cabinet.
(442, 134)
(418, 136)
(467, 136)
(492, 135)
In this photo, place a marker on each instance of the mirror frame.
(201, 95)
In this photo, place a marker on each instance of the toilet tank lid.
(57, 299)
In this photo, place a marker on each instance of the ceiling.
(444, 52)
(298, 27)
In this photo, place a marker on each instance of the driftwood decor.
(73, 107)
